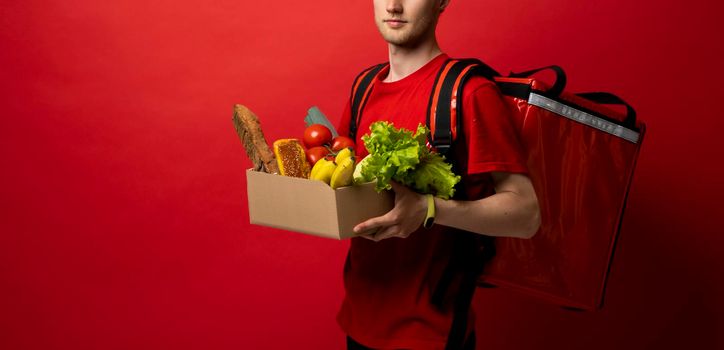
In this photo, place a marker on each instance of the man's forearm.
(505, 214)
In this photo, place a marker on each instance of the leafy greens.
(400, 155)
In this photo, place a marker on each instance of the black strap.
(463, 299)
(557, 87)
(359, 95)
(609, 98)
(451, 72)
(515, 89)
(471, 251)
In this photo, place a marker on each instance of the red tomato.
(316, 135)
(316, 153)
(341, 142)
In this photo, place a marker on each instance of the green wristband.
(430, 218)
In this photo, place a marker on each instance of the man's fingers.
(385, 233)
(380, 233)
(375, 223)
(370, 232)
(367, 227)
(371, 237)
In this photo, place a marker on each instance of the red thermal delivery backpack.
(581, 156)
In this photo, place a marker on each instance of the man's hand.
(406, 217)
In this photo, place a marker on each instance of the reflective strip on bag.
(583, 117)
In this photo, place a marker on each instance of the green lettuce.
(400, 155)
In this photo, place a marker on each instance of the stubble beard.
(409, 36)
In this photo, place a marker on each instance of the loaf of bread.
(291, 158)
(249, 130)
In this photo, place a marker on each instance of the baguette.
(257, 149)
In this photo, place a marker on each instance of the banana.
(315, 169)
(343, 175)
(343, 154)
(323, 170)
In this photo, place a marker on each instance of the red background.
(123, 218)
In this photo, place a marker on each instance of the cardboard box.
(312, 207)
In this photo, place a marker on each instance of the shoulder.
(481, 91)
(480, 86)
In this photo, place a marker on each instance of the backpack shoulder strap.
(360, 91)
(472, 251)
(444, 119)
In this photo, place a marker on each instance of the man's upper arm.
(512, 182)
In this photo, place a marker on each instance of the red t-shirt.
(389, 283)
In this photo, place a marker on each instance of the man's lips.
(395, 23)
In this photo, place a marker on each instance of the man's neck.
(405, 61)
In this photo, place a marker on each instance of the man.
(388, 280)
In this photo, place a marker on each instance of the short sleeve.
(493, 143)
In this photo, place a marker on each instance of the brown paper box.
(310, 206)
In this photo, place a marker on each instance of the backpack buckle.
(442, 141)
(443, 149)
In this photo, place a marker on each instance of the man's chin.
(393, 37)
(398, 40)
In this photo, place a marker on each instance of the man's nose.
(394, 6)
